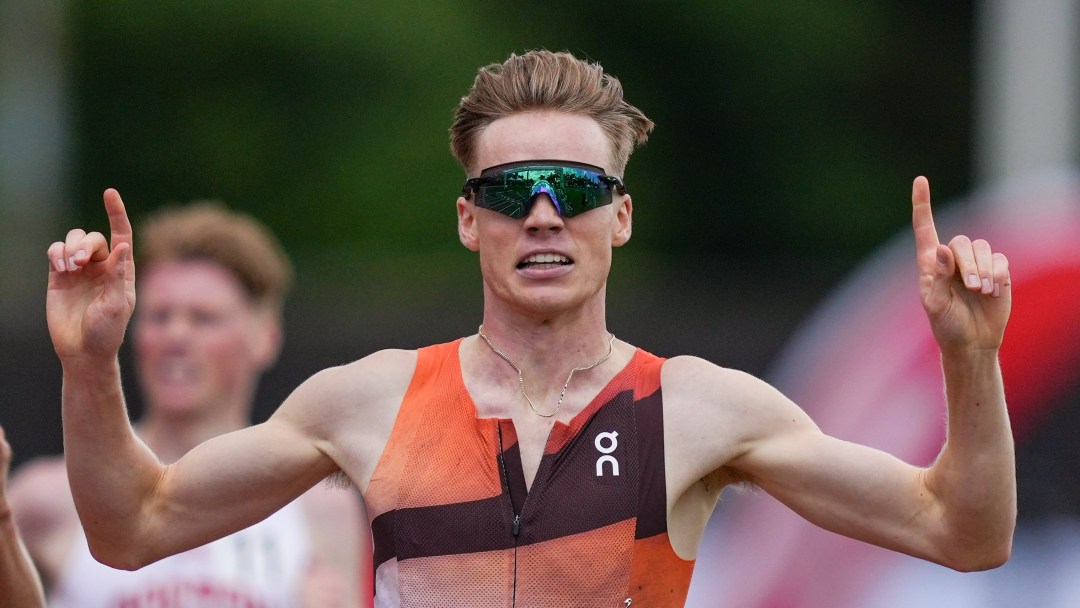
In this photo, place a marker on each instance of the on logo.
(612, 440)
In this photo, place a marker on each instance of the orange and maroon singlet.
(453, 524)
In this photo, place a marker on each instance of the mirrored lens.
(511, 191)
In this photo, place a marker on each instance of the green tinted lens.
(582, 191)
(511, 191)
(506, 199)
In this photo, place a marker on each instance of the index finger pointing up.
(119, 225)
(922, 219)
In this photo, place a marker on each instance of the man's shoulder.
(370, 387)
(381, 372)
(689, 372)
(700, 389)
(380, 368)
(387, 370)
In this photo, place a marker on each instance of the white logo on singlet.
(612, 441)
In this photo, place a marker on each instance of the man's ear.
(267, 337)
(466, 224)
(624, 216)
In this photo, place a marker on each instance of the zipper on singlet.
(515, 527)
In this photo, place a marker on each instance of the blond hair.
(206, 230)
(546, 80)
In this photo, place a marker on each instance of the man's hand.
(92, 288)
(965, 286)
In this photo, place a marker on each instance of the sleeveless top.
(453, 525)
(259, 567)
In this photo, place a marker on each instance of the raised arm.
(959, 512)
(91, 297)
(966, 291)
(134, 509)
(19, 582)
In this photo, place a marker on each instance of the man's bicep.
(782, 450)
(723, 419)
(848, 488)
(282, 457)
(275, 455)
(775, 438)
(741, 425)
(745, 427)
(230, 482)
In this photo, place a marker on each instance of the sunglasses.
(511, 188)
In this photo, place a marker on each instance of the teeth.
(176, 372)
(547, 258)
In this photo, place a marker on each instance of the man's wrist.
(973, 356)
(91, 368)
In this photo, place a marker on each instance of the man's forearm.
(110, 471)
(975, 476)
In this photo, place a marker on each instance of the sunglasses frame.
(474, 184)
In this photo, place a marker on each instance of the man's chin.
(174, 405)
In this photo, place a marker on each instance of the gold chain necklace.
(521, 379)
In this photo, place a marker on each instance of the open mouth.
(545, 260)
(175, 372)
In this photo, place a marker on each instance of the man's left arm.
(19, 582)
(966, 291)
(959, 512)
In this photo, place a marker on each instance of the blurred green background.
(787, 137)
(783, 128)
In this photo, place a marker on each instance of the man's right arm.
(134, 509)
(90, 299)
(337, 420)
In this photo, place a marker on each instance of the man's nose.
(543, 212)
(176, 327)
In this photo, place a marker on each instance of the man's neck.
(548, 346)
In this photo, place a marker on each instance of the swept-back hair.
(546, 80)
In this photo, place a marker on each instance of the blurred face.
(544, 263)
(199, 343)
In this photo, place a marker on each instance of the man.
(211, 290)
(19, 582)
(541, 462)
